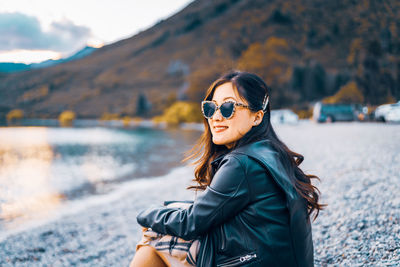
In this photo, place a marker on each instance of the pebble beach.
(359, 169)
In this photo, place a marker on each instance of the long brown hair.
(253, 89)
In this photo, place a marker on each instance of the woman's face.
(227, 131)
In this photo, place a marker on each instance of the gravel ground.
(359, 167)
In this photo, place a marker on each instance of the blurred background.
(130, 59)
(95, 95)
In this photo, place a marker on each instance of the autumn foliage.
(181, 112)
(348, 93)
(15, 114)
(66, 118)
(269, 60)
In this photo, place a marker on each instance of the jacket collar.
(217, 160)
(263, 153)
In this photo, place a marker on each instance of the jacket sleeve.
(226, 196)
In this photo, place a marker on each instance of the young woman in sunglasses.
(255, 204)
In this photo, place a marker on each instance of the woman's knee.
(147, 256)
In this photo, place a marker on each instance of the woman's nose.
(217, 115)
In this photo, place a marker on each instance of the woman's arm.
(222, 200)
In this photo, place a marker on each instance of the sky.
(37, 30)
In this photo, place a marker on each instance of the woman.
(256, 203)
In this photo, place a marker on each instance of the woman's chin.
(220, 142)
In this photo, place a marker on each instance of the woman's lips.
(219, 129)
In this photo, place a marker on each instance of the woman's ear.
(258, 117)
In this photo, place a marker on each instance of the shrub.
(109, 116)
(126, 120)
(180, 112)
(349, 93)
(66, 117)
(304, 113)
(15, 114)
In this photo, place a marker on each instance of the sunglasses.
(227, 108)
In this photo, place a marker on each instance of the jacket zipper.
(222, 238)
(238, 260)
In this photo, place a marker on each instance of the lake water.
(43, 167)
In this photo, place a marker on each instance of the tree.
(374, 70)
(202, 77)
(181, 111)
(200, 80)
(268, 60)
(142, 106)
(66, 118)
(15, 114)
(349, 93)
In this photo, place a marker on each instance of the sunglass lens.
(227, 109)
(209, 109)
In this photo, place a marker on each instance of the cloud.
(20, 31)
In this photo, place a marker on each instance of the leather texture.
(250, 215)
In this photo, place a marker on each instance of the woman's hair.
(253, 89)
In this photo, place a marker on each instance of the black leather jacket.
(250, 215)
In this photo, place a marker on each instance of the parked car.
(284, 116)
(393, 115)
(382, 111)
(338, 112)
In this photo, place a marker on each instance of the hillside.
(311, 47)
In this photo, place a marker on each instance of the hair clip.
(265, 102)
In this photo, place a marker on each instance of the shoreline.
(77, 123)
(80, 235)
(76, 206)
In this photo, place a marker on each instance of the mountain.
(9, 67)
(13, 67)
(305, 49)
